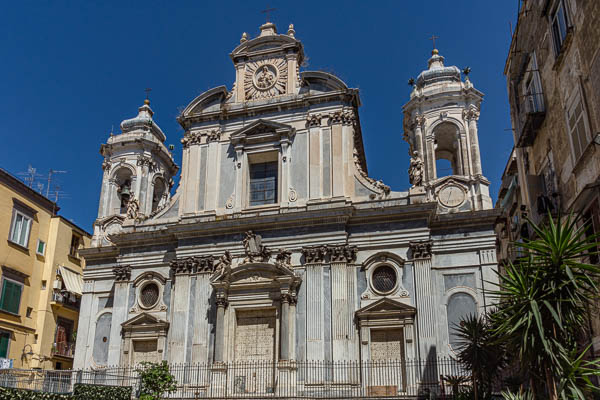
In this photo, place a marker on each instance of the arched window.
(123, 179)
(446, 150)
(158, 193)
(459, 306)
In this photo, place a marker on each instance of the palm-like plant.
(479, 352)
(542, 304)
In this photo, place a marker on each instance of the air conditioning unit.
(57, 285)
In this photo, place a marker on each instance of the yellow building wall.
(23, 260)
(36, 333)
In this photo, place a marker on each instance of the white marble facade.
(276, 244)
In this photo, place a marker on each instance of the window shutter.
(4, 340)
(16, 297)
(11, 297)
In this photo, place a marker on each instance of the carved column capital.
(343, 253)
(419, 120)
(221, 300)
(421, 249)
(336, 117)
(314, 254)
(348, 117)
(122, 273)
(313, 120)
(471, 114)
(205, 264)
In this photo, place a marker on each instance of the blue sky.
(71, 70)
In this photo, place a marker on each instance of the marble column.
(122, 275)
(426, 318)
(83, 344)
(343, 302)
(284, 339)
(220, 328)
(201, 328)
(472, 115)
(180, 309)
(315, 302)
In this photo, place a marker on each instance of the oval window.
(149, 295)
(384, 279)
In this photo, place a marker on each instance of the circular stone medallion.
(451, 196)
(265, 77)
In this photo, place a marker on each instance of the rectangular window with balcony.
(20, 228)
(263, 183)
(64, 345)
(559, 24)
(579, 130)
(10, 297)
(4, 343)
(591, 220)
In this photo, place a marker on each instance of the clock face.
(451, 196)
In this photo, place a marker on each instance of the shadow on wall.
(429, 375)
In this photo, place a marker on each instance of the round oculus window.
(149, 295)
(384, 279)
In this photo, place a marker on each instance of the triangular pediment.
(143, 319)
(385, 306)
(262, 130)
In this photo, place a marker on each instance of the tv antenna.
(50, 173)
(30, 176)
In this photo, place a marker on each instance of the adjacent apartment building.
(40, 279)
(553, 79)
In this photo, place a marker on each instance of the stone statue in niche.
(255, 251)
(415, 171)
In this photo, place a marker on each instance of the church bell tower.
(440, 125)
(137, 180)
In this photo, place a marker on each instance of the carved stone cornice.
(314, 254)
(190, 265)
(122, 273)
(421, 249)
(343, 253)
(313, 120)
(471, 114)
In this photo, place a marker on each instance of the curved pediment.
(322, 81)
(267, 44)
(256, 273)
(211, 97)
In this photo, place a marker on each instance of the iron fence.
(267, 379)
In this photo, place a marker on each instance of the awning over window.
(72, 280)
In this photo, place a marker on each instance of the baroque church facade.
(277, 245)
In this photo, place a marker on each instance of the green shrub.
(101, 392)
(81, 392)
(23, 394)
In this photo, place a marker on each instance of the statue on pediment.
(255, 251)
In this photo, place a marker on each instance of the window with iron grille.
(263, 183)
(384, 279)
(149, 295)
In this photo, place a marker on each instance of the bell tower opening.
(158, 193)
(446, 150)
(123, 179)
